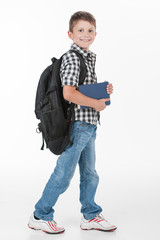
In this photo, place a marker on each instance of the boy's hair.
(81, 15)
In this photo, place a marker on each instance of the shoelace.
(101, 217)
(54, 222)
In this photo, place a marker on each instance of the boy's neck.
(87, 50)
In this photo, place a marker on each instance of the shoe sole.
(109, 230)
(46, 231)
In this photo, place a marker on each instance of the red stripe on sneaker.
(54, 226)
(96, 220)
(51, 226)
(91, 220)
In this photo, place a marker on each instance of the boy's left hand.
(109, 88)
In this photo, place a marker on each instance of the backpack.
(56, 115)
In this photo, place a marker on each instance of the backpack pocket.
(55, 130)
(48, 123)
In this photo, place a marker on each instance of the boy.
(82, 31)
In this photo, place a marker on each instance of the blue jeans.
(82, 152)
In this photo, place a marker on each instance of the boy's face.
(83, 34)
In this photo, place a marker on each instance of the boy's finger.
(109, 89)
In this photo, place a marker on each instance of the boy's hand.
(100, 105)
(109, 88)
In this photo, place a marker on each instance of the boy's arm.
(72, 95)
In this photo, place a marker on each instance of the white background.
(128, 56)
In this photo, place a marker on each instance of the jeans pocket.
(84, 126)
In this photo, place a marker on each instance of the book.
(97, 91)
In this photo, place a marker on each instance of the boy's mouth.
(84, 39)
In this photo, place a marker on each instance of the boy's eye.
(81, 30)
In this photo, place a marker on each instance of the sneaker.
(98, 223)
(45, 226)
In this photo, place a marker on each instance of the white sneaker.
(98, 223)
(45, 226)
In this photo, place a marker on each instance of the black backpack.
(56, 115)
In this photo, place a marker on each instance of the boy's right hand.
(100, 104)
(72, 95)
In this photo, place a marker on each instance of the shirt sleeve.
(70, 69)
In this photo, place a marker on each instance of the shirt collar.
(89, 55)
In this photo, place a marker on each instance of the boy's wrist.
(93, 103)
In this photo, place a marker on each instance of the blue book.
(97, 91)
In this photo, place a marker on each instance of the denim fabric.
(82, 152)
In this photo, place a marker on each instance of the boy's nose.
(86, 34)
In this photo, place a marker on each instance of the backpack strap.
(83, 68)
(83, 71)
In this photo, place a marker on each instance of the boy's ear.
(70, 34)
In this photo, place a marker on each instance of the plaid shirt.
(69, 73)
